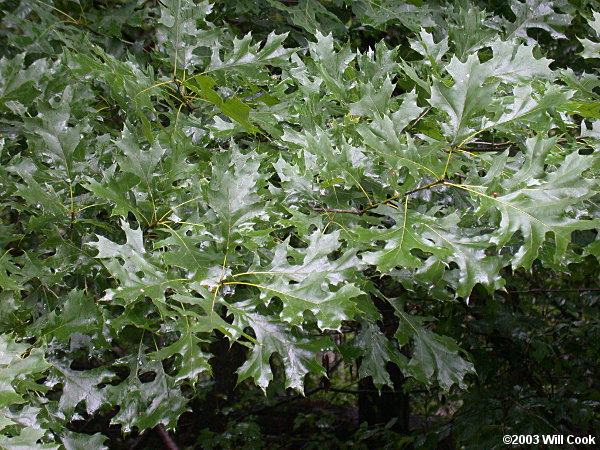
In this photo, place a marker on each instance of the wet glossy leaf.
(181, 176)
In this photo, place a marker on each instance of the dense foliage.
(294, 196)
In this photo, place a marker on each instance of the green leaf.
(347, 160)
(36, 196)
(513, 63)
(142, 404)
(232, 107)
(179, 33)
(232, 193)
(8, 268)
(407, 234)
(118, 192)
(82, 386)
(469, 95)
(526, 104)
(307, 286)
(193, 363)
(376, 351)
(136, 161)
(297, 352)
(27, 439)
(583, 109)
(127, 82)
(173, 173)
(432, 51)
(138, 273)
(57, 140)
(80, 441)
(537, 14)
(79, 315)
(310, 15)
(373, 101)
(246, 57)
(20, 366)
(384, 136)
(434, 356)
(466, 248)
(380, 12)
(591, 49)
(18, 84)
(535, 203)
(470, 28)
(202, 266)
(331, 64)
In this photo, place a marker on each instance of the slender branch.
(487, 147)
(561, 140)
(84, 25)
(140, 439)
(430, 185)
(491, 144)
(168, 441)
(483, 149)
(541, 290)
(418, 119)
(283, 401)
(404, 194)
(491, 147)
(360, 212)
(374, 391)
(335, 210)
(101, 34)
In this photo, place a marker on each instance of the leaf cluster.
(172, 176)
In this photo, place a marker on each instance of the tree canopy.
(395, 183)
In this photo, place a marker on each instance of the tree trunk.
(227, 358)
(379, 408)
